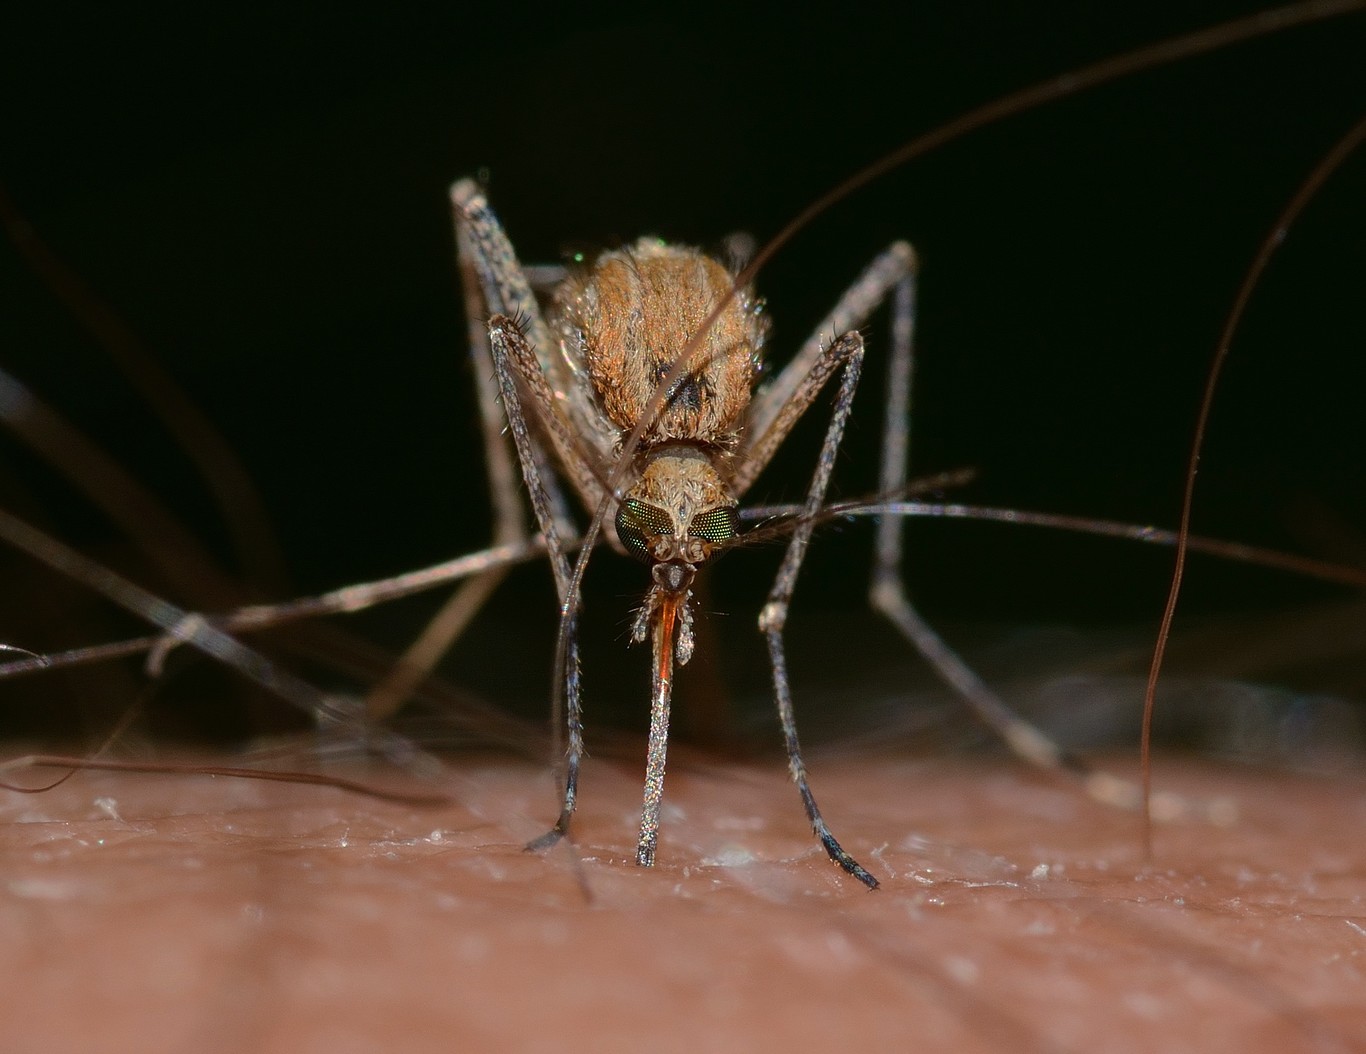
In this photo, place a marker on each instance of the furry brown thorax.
(628, 319)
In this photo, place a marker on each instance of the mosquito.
(577, 382)
(636, 386)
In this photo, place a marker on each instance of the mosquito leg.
(485, 256)
(514, 360)
(887, 592)
(574, 749)
(779, 406)
(893, 273)
(846, 352)
(495, 283)
(507, 365)
(489, 285)
(507, 291)
(509, 521)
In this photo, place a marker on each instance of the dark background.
(261, 198)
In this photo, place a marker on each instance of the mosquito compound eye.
(717, 526)
(639, 524)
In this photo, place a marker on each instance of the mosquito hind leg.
(887, 592)
(489, 285)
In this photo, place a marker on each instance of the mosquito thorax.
(630, 317)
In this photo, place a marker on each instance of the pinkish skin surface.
(170, 913)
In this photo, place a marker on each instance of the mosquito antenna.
(1236, 551)
(1144, 58)
(892, 503)
(1325, 168)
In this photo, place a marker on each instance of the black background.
(261, 197)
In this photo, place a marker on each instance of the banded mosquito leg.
(486, 266)
(509, 522)
(779, 405)
(887, 592)
(847, 352)
(515, 363)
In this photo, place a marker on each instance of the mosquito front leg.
(515, 363)
(848, 351)
(507, 291)
(493, 282)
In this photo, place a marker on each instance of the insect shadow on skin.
(344, 383)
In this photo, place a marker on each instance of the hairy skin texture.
(173, 913)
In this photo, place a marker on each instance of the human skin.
(167, 913)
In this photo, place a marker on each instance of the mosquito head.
(678, 511)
